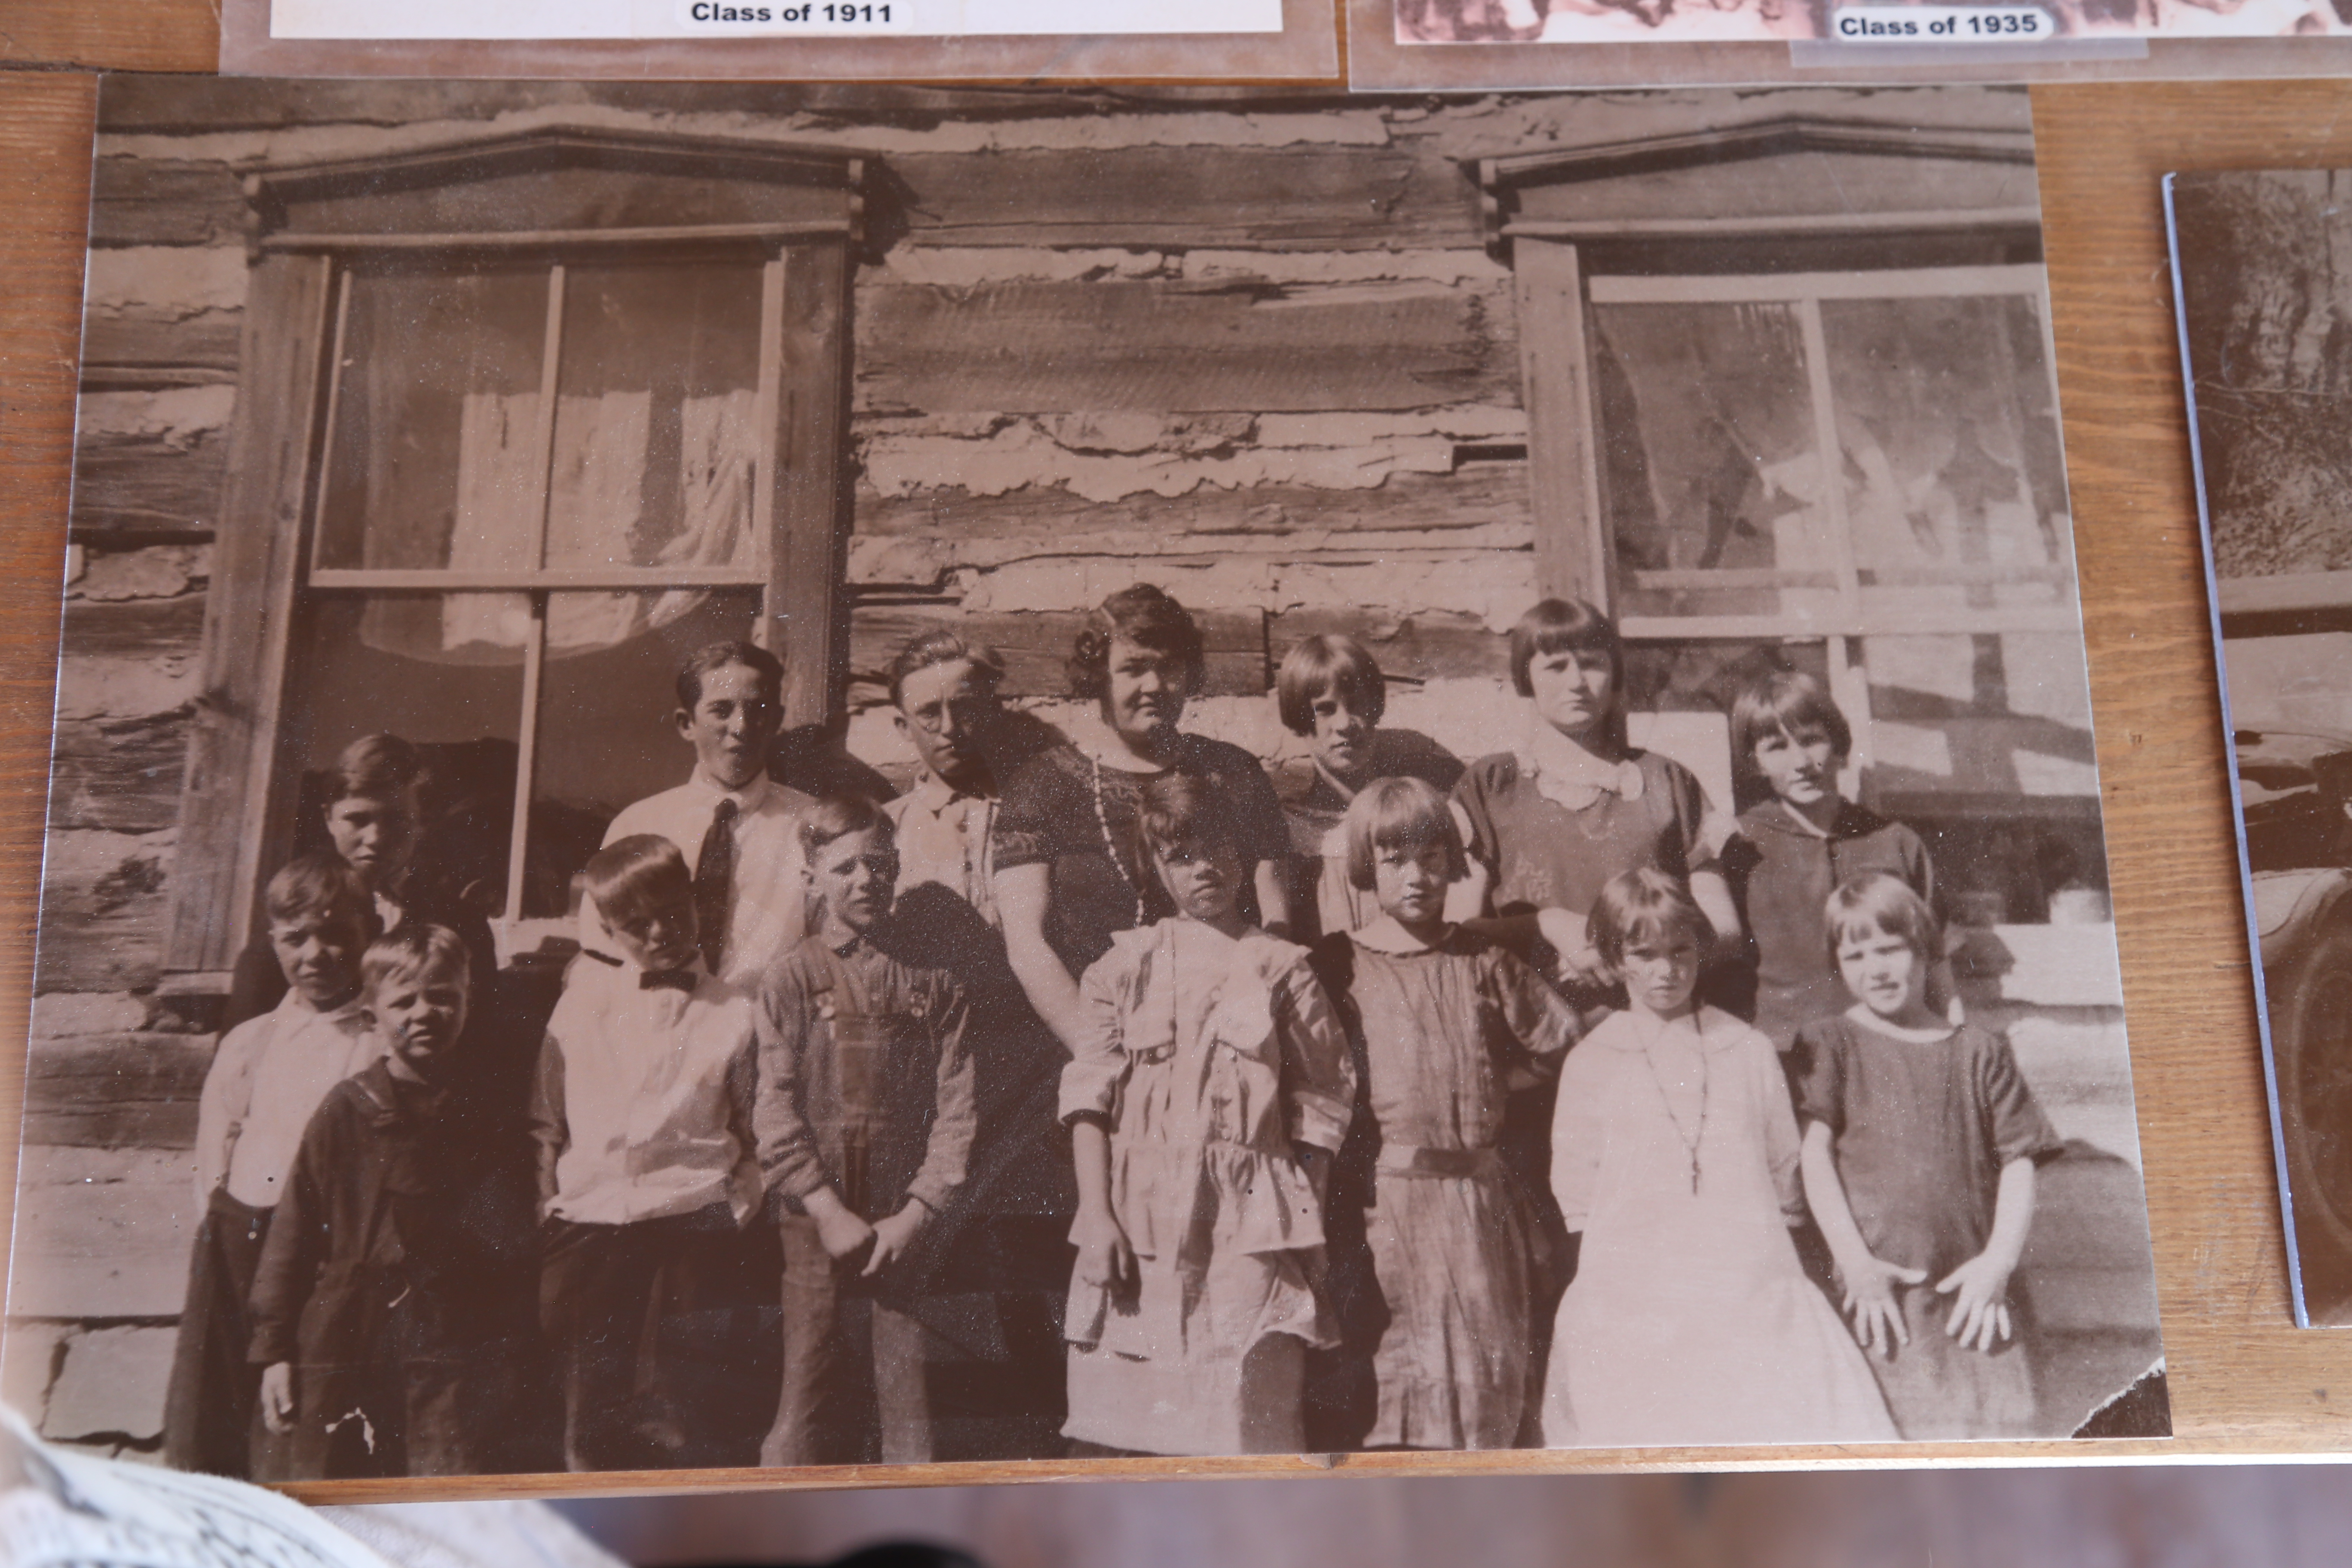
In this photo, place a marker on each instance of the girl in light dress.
(1444, 1025)
(1208, 1090)
(1674, 1154)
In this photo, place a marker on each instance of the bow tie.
(667, 980)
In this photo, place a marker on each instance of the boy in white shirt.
(736, 827)
(268, 1077)
(658, 1304)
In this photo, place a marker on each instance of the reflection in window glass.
(436, 406)
(1954, 491)
(1709, 453)
(605, 732)
(368, 665)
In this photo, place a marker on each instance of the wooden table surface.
(2245, 1383)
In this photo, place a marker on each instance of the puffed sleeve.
(1024, 831)
(1091, 1079)
(2013, 1120)
(947, 1154)
(791, 1162)
(1483, 782)
(1537, 1017)
(1318, 1075)
(1579, 1125)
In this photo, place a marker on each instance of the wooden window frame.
(544, 194)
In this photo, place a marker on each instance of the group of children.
(1289, 1161)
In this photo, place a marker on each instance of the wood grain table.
(2245, 1383)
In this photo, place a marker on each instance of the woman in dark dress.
(1068, 866)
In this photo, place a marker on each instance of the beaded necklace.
(1691, 1143)
(1110, 844)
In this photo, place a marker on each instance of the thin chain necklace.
(1110, 844)
(1691, 1143)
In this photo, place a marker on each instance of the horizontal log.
(1476, 495)
(1158, 198)
(158, 201)
(1280, 198)
(1036, 647)
(1178, 347)
(122, 775)
(103, 900)
(134, 628)
(123, 349)
(115, 1091)
(1428, 645)
(145, 484)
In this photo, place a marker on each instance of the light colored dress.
(1212, 1058)
(1690, 1320)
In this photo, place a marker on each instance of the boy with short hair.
(865, 1117)
(650, 1289)
(1804, 841)
(392, 1308)
(268, 1077)
(734, 824)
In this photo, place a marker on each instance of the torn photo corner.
(890, 775)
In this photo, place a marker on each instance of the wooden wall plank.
(144, 484)
(1477, 495)
(152, 36)
(127, 349)
(116, 1091)
(1182, 347)
(153, 200)
(1429, 645)
(1037, 647)
(812, 484)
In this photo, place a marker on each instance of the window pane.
(1709, 458)
(657, 439)
(1953, 486)
(435, 417)
(365, 666)
(604, 732)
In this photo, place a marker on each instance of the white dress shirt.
(645, 1097)
(766, 897)
(267, 1080)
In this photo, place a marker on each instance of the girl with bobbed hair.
(1069, 872)
(1575, 804)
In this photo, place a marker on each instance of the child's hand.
(839, 1230)
(278, 1396)
(893, 1235)
(1105, 1261)
(1979, 1293)
(1869, 1296)
(1571, 937)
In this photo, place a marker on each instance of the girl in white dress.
(1675, 1153)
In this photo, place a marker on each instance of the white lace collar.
(1567, 774)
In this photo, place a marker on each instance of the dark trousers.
(855, 1390)
(403, 1417)
(664, 1336)
(212, 1419)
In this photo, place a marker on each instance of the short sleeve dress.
(1441, 1038)
(1314, 807)
(1690, 1319)
(1065, 811)
(1541, 853)
(1920, 1130)
(1212, 1059)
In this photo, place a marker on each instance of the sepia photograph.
(784, 777)
(2256, 270)
(1717, 21)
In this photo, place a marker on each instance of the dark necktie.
(714, 875)
(667, 980)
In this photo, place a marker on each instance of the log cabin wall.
(1264, 358)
